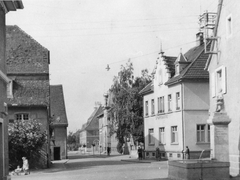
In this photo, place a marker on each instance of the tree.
(73, 140)
(127, 103)
(26, 139)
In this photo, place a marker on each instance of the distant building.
(223, 67)
(29, 90)
(89, 133)
(5, 7)
(176, 105)
(106, 137)
(59, 123)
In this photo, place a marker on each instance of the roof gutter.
(214, 33)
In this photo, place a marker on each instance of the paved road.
(88, 167)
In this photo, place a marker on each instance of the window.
(153, 107)
(169, 102)
(229, 25)
(161, 104)
(218, 81)
(161, 135)
(22, 116)
(146, 108)
(203, 133)
(177, 100)
(174, 134)
(151, 136)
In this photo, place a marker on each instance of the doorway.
(56, 153)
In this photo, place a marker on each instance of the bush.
(119, 148)
(25, 139)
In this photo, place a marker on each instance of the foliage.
(128, 103)
(73, 141)
(25, 139)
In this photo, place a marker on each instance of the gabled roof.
(57, 105)
(148, 89)
(195, 70)
(28, 92)
(92, 122)
(24, 54)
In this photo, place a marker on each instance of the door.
(56, 153)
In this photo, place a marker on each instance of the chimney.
(199, 39)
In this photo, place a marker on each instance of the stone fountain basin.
(195, 169)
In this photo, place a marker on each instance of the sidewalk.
(128, 158)
(55, 166)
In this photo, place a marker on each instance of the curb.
(136, 161)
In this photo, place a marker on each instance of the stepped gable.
(30, 92)
(24, 54)
(169, 62)
(57, 105)
(195, 70)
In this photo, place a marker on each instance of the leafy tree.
(127, 103)
(25, 139)
(73, 140)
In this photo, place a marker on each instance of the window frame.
(174, 134)
(178, 101)
(203, 135)
(169, 103)
(152, 107)
(162, 135)
(151, 136)
(146, 108)
(22, 115)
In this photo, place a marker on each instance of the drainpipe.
(183, 122)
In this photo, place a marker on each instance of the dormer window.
(180, 63)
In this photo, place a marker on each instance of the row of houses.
(26, 93)
(193, 99)
(97, 132)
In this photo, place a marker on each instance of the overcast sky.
(83, 36)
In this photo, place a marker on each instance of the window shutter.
(213, 84)
(224, 80)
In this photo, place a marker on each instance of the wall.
(228, 56)
(41, 115)
(60, 134)
(3, 118)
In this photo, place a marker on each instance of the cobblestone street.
(89, 167)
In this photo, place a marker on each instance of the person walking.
(139, 153)
(108, 151)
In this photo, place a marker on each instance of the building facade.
(5, 7)
(176, 105)
(107, 137)
(89, 133)
(224, 85)
(29, 90)
(59, 123)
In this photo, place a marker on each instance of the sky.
(84, 36)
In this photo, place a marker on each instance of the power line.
(100, 34)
